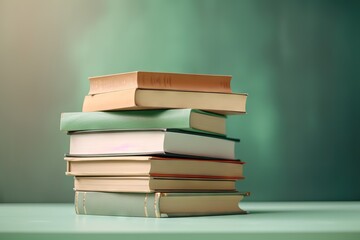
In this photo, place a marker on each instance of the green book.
(158, 204)
(185, 119)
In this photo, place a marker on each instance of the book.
(160, 80)
(138, 99)
(185, 119)
(152, 166)
(159, 204)
(151, 184)
(151, 142)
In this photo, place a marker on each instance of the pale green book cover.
(158, 204)
(117, 204)
(185, 119)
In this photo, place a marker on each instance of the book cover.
(185, 119)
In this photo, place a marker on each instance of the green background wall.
(298, 60)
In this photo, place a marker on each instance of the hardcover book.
(160, 80)
(151, 184)
(150, 166)
(185, 119)
(151, 142)
(159, 204)
(137, 99)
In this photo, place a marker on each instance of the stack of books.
(154, 144)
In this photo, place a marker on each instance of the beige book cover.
(160, 80)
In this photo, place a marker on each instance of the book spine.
(110, 101)
(112, 83)
(118, 204)
(166, 81)
(184, 82)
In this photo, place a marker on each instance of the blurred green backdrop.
(298, 60)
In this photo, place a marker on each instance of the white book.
(151, 142)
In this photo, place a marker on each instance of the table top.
(266, 220)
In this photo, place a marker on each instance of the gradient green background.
(298, 60)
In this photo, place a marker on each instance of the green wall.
(298, 60)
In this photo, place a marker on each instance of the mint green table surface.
(278, 220)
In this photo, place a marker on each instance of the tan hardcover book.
(150, 166)
(160, 80)
(158, 204)
(135, 99)
(151, 184)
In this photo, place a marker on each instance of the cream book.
(151, 184)
(137, 99)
